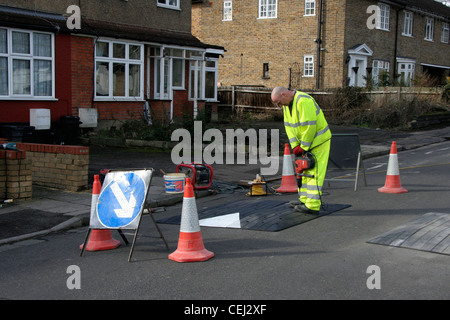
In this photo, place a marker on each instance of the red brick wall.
(82, 73)
(111, 110)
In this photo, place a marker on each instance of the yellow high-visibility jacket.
(306, 125)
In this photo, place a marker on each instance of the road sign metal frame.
(334, 159)
(145, 209)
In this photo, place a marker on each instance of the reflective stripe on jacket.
(306, 126)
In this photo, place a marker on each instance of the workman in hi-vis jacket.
(307, 130)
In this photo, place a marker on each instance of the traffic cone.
(99, 239)
(190, 243)
(393, 184)
(288, 181)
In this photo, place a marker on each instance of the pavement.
(53, 210)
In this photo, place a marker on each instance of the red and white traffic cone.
(288, 181)
(99, 239)
(190, 242)
(393, 184)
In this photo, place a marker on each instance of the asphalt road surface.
(325, 258)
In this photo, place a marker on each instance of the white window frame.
(167, 4)
(210, 69)
(383, 16)
(165, 59)
(310, 8)
(110, 60)
(379, 65)
(197, 79)
(429, 29)
(198, 67)
(445, 32)
(408, 20)
(32, 57)
(227, 11)
(265, 11)
(182, 65)
(308, 66)
(163, 79)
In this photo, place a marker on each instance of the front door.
(357, 64)
(357, 71)
(360, 75)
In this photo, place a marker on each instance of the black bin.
(69, 130)
(15, 132)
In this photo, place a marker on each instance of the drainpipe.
(319, 41)
(396, 43)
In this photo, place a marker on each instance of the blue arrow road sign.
(120, 202)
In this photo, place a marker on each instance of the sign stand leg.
(134, 239)
(123, 236)
(123, 192)
(137, 230)
(85, 241)
(160, 233)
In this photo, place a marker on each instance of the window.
(172, 62)
(383, 17)
(407, 24)
(429, 26)
(227, 10)
(195, 79)
(170, 70)
(210, 80)
(203, 72)
(406, 69)
(162, 84)
(267, 9)
(171, 4)
(308, 66)
(26, 64)
(310, 7)
(379, 67)
(118, 70)
(445, 33)
(177, 69)
(266, 71)
(175, 57)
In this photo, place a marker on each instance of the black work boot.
(304, 209)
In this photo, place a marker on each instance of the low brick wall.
(58, 166)
(15, 175)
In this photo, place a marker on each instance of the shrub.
(446, 92)
(351, 106)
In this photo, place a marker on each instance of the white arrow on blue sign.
(121, 200)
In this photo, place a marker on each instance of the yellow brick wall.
(55, 166)
(283, 41)
(15, 175)
(250, 42)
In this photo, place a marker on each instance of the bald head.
(276, 92)
(282, 96)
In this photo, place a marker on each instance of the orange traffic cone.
(190, 243)
(99, 239)
(288, 181)
(393, 184)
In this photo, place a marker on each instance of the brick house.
(122, 59)
(319, 44)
